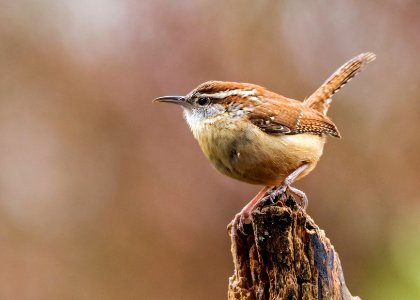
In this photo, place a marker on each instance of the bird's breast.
(242, 151)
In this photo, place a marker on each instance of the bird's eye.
(203, 100)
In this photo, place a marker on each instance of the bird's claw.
(278, 194)
(272, 197)
(275, 195)
(237, 224)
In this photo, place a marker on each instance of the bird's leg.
(280, 191)
(243, 217)
(301, 195)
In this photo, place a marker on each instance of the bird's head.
(212, 99)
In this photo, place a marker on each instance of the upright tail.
(321, 99)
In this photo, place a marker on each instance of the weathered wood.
(285, 256)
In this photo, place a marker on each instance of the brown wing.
(284, 117)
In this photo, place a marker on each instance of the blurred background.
(104, 195)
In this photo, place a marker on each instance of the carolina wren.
(260, 137)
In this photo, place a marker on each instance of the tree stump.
(284, 255)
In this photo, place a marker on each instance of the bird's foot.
(301, 195)
(244, 216)
(281, 193)
(273, 196)
(238, 223)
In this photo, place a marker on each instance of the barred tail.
(321, 99)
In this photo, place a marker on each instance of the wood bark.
(285, 255)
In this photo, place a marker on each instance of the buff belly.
(253, 156)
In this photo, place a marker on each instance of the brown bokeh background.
(104, 195)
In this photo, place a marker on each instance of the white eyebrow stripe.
(224, 94)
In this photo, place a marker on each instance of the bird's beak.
(180, 100)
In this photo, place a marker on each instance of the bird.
(260, 137)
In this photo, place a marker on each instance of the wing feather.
(283, 117)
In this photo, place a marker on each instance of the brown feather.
(283, 116)
(276, 114)
(321, 98)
